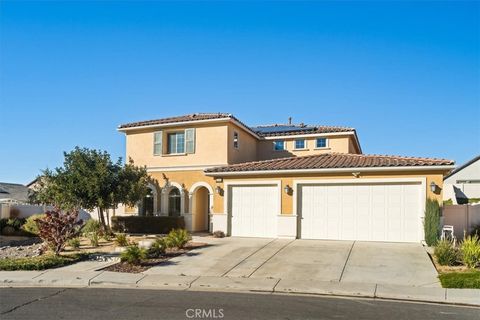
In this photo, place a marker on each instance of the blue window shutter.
(190, 140)
(157, 143)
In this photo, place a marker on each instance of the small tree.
(90, 180)
(57, 227)
(432, 222)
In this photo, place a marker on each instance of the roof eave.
(330, 170)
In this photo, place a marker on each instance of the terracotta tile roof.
(286, 130)
(332, 161)
(184, 118)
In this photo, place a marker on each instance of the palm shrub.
(121, 239)
(158, 247)
(57, 227)
(446, 253)
(432, 222)
(94, 238)
(178, 238)
(133, 254)
(91, 230)
(31, 224)
(470, 250)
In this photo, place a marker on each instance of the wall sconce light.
(287, 189)
(433, 187)
(219, 190)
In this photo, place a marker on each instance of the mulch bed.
(147, 264)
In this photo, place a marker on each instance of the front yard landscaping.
(465, 279)
(42, 262)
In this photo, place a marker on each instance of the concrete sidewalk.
(106, 279)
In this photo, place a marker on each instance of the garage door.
(368, 212)
(254, 210)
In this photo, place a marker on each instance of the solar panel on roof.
(274, 129)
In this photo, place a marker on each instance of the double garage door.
(367, 212)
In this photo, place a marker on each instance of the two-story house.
(294, 181)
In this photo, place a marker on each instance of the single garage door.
(368, 212)
(254, 210)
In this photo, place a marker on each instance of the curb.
(458, 297)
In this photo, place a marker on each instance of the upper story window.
(321, 143)
(235, 140)
(176, 142)
(279, 145)
(300, 144)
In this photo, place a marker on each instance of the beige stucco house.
(293, 181)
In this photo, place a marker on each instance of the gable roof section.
(333, 161)
(463, 166)
(13, 191)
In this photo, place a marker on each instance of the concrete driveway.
(338, 261)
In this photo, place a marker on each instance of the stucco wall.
(335, 144)
(210, 147)
(247, 150)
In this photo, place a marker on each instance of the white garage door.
(368, 212)
(254, 210)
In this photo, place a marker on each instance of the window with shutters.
(176, 142)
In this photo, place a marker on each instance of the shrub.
(40, 262)
(133, 254)
(446, 254)
(15, 223)
(448, 202)
(470, 249)
(91, 225)
(31, 223)
(177, 238)
(57, 227)
(158, 247)
(74, 243)
(121, 239)
(219, 234)
(8, 231)
(94, 238)
(432, 222)
(155, 225)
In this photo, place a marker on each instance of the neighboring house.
(13, 193)
(463, 183)
(293, 181)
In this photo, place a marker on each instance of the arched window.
(174, 202)
(148, 203)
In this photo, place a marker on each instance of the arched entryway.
(174, 202)
(201, 196)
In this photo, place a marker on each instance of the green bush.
(432, 222)
(475, 230)
(16, 223)
(133, 254)
(121, 239)
(446, 254)
(31, 223)
(40, 262)
(178, 238)
(153, 225)
(74, 243)
(158, 247)
(470, 250)
(90, 226)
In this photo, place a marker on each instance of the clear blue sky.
(406, 75)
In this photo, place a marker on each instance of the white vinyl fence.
(463, 218)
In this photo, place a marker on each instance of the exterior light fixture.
(287, 189)
(219, 190)
(433, 187)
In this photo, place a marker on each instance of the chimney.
(290, 120)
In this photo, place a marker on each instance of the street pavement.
(119, 304)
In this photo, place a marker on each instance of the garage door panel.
(253, 210)
(370, 212)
